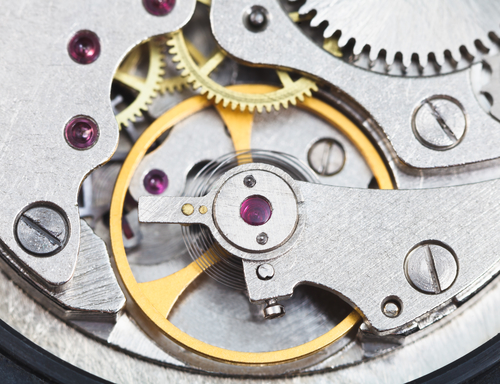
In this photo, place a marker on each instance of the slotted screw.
(431, 267)
(326, 157)
(439, 122)
(42, 231)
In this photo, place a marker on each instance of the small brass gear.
(178, 83)
(147, 86)
(172, 84)
(198, 77)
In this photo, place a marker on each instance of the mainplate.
(208, 191)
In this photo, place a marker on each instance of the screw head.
(326, 157)
(273, 310)
(159, 7)
(81, 132)
(42, 231)
(256, 19)
(84, 47)
(391, 308)
(431, 267)
(262, 238)
(265, 272)
(249, 181)
(439, 122)
(155, 182)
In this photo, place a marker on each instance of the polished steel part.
(418, 27)
(334, 243)
(223, 218)
(92, 293)
(156, 298)
(389, 100)
(402, 365)
(273, 310)
(373, 232)
(44, 89)
(392, 308)
(197, 140)
(92, 300)
(265, 271)
(260, 237)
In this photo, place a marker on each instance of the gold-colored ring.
(145, 302)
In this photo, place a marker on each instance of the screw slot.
(439, 122)
(42, 230)
(431, 267)
(326, 157)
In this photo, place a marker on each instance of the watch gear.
(416, 27)
(198, 77)
(492, 88)
(142, 83)
(172, 84)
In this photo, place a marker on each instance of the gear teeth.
(343, 40)
(156, 71)
(290, 93)
(406, 61)
(409, 28)
(357, 49)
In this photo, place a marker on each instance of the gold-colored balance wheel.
(156, 298)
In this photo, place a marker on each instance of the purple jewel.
(256, 210)
(81, 132)
(156, 182)
(84, 47)
(159, 7)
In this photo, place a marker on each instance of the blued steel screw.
(42, 231)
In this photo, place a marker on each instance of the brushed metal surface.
(43, 89)
(389, 100)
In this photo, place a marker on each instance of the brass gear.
(178, 83)
(146, 87)
(198, 77)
